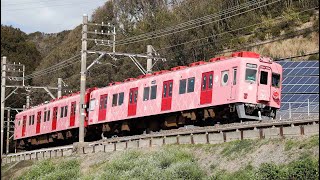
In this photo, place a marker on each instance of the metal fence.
(298, 110)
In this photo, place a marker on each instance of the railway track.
(187, 135)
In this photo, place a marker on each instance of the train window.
(264, 77)
(190, 84)
(224, 78)
(251, 75)
(105, 102)
(30, 117)
(182, 87)
(45, 116)
(170, 89)
(101, 102)
(55, 113)
(135, 96)
(153, 92)
(210, 81)
(121, 97)
(130, 97)
(165, 90)
(234, 76)
(146, 93)
(204, 82)
(275, 80)
(48, 116)
(92, 104)
(114, 100)
(61, 112)
(65, 111)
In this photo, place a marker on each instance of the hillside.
(294, 22)
(248, 159)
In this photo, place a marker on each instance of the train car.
(49, 122)
(243, 86)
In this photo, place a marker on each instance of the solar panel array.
(300, 86)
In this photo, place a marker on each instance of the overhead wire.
(187, 23)
(233, 30)
(192, 27)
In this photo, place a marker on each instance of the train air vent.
(129, 79)
(178, 68)
(217, 59)
(246, 54)
(114, 83)
(144, 76)
(197, 63)
(160, 72)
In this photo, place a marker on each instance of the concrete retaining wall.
(202, 138)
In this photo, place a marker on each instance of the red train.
(243, 86)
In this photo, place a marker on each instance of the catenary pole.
(3, 93)
(83, 78)
(8, 129)
(149, 60)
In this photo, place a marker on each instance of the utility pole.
(28, 101)
(8, 129)
(83, 78)
(149, 60)
(59, 87)
(3, 92)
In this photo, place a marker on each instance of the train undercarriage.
(208, 116)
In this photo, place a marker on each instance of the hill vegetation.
(284, 159)
(293, 22)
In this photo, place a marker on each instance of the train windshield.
(92, 104)
(275, 80)
(251, 75)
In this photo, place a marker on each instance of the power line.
(129, 41)
(187, 23)
(241, 28)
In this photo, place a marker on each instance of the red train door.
(54, 119)
(206, 88)
(264, 84)
(38, 122)
(167, 95)
(103, 107)
(72, 114)
(24, 122)
(133, 98)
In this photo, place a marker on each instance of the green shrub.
(268, 171)
(304, 168)
(46, 169)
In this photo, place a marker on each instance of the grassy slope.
(248, 159)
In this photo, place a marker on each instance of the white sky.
(49, 16)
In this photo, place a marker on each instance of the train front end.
(261, 89)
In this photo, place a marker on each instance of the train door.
(38, 122)
(133, 98)
(103, 107)
(206, 88)
(54, 119)
(167, 95)
(24, 123)
(264, 84)
(72, 114)
(233, 84)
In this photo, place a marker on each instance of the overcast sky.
(49, 16)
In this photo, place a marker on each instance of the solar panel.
(300, 84)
